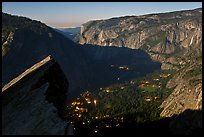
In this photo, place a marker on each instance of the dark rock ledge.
(32, 103)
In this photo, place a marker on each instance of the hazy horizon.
(74, 14)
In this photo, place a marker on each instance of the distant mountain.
(71, 33)
(70, 30)
(174, 39)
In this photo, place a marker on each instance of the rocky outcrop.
(187, 84)
(161, 35)
(33, 102)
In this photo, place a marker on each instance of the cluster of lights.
(165, 75)
(123, 67)
(76, 103)
(88, 101)
(119, 120)
(106, 116)
(120, 67)
(148, 98)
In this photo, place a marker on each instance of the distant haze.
(74, 14)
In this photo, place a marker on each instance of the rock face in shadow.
(105, 63)
(32, 103)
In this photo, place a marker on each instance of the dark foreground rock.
(32, 103)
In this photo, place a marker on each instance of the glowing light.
(107, 126)
(74, 103)
(156, 79)
(155, 98)
(121, 67)
(147, 82)
(107, 90)
(122, 119)
(95, 131)
(122, 87)
(88, 102)
(95, 101)
(147, 99)
(132, 82)
(78, 103)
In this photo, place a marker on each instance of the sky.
(74, 14)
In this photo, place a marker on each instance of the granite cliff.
(161, 35)
(174, 39)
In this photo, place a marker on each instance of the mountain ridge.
(30, 43)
